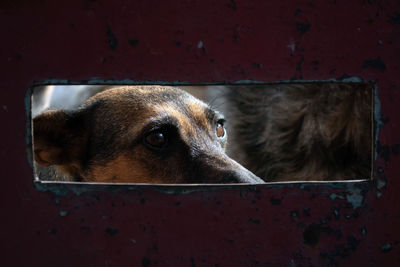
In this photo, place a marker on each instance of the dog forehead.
(146, 94)
(142, 104)
(151, 98)
(188, 111)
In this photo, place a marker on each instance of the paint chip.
(380, 184)
(386, 247)
(334, 196)
(363, 231)
(336, 212)
(354, 196)
(63, 213)
(292, 47)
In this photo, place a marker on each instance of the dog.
(138, 134)
(301, 131)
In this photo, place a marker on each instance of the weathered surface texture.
(194, 42)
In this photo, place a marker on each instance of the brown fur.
(316, 131)
(105, 140)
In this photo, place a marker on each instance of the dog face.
(140, 134)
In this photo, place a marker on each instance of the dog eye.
(156, 139)
(220, 130)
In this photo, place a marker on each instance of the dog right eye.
(220, 130)
(155, 140)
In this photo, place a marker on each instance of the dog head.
(138, 134)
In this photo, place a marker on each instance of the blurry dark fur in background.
(300, 132)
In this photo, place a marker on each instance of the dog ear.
(59, 137)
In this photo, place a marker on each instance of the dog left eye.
(156, 139)
(220, 130)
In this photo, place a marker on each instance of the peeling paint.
(386, 247)
(63, 188)
(363, 231)
(63, 213)
(128, 81)
(353, 79)
(334, 196)
(380, 183)
(279, 241)
(336, 212)
(354, 196)
(292, 46)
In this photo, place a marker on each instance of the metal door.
(190, 42)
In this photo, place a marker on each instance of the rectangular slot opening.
(203, 134)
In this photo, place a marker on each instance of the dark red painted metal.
(288, 225)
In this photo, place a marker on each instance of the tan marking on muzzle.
(123, 169)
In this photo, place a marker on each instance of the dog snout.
(233, 177)
(222, 169)
(242, 175)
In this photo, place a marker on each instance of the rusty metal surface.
(352, 224)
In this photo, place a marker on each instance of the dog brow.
(211, 114)
(162, 120)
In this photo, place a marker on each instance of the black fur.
(316, 131)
